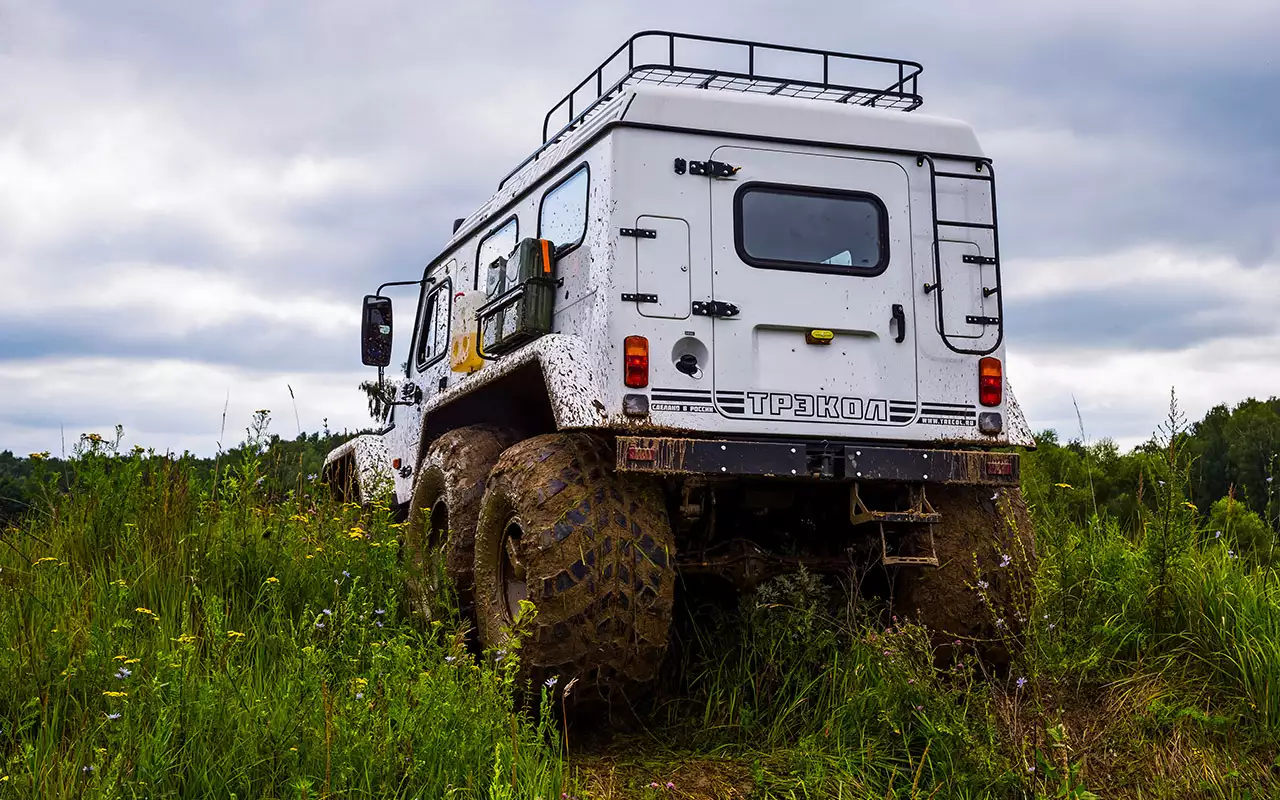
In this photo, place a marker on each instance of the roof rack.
(835, 77)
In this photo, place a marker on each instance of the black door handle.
(900, 317)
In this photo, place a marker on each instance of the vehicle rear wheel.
(440, 534)
(590, 549)
(984, 584)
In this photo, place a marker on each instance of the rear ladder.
(983, 171)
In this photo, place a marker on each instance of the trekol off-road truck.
(740, 314)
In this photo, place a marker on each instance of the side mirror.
(375, 331)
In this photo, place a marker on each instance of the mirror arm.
(419, 282)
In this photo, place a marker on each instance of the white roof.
(750, 114)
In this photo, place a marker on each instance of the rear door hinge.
(627, 297)
(639, 233)
(972, 259)
(976, 320)
(713, 169)
(714, 308)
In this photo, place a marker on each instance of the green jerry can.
(520, 291)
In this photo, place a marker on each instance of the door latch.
(900, 317)
(713, 169)
(714, 308)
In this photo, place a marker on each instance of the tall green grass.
(168, 634)
(163, 638)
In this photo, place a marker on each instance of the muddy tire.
(976, 594)
(439, 536)
(592, 550)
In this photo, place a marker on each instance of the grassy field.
(168, 634)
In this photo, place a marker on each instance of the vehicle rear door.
(805, 245)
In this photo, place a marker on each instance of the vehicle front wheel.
(590, 549)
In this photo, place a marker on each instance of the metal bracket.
(713, 169)
(714, 308)
(929, 287)
(973, 319)
(680, 166)
(639, 298)
(639, 233)
(969, 259)
(987, 292)
(917, 523)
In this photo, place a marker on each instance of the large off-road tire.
(591, 549)
(440, 532)
(983, 586)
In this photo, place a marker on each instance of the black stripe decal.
(706, 392)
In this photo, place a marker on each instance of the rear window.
(819, 230)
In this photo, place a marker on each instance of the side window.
(433, 328)
(563, 215)
(496, 244)
(819, 230)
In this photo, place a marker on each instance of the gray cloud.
(309, 152)
(1152, 318)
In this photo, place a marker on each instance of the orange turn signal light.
(990, 381)
(635, 362)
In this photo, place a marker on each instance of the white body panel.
(757, 376)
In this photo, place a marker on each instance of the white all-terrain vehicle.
(730, 320)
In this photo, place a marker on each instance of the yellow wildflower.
(235, 635)
(37, 457)
(273, 579)
(120, 583)
(129, 661)
(375, 544)
(185, 638)
(45, 559)
(115, 694)
(147, 611)
(1064, 486)
(355, 534)
(1190, 505)
(122, 658)
(309, 556)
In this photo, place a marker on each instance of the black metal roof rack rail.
(835, 77)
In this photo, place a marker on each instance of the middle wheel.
(440, 535)
(590, 549)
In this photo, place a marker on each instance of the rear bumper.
(815, 460)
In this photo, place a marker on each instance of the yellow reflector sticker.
(819, 337)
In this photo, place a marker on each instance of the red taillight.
(990, 381)
(635, 360)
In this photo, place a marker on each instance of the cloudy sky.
(194, 196)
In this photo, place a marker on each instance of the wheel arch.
(359, 468)
(545, 387)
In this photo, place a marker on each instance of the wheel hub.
(514, 582)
